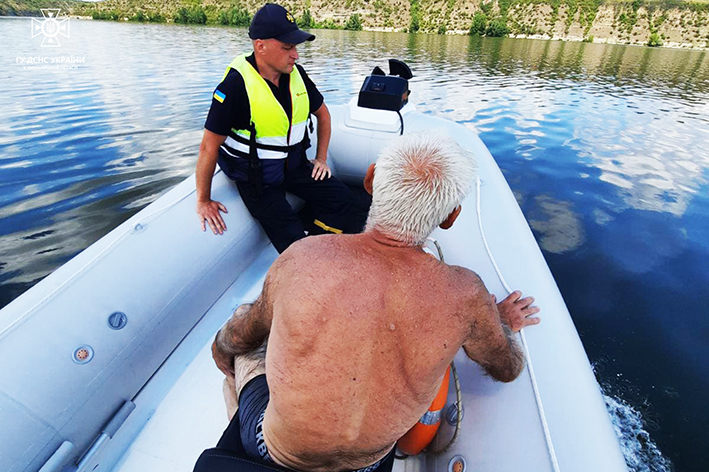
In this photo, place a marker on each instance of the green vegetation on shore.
(34, 7)
(650, 22)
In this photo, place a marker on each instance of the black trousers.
(331, 202)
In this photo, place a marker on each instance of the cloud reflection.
(559, 227)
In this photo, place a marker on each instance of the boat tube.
(113, 347)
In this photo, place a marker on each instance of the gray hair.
(419, 180)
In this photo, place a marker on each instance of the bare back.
(361, 336)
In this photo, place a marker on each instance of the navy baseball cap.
(274, 21)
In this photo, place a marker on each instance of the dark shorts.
(253, 400)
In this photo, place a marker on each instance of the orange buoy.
(423, 432)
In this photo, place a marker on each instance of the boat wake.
(641, 453)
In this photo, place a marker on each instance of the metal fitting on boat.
(117, 320)
(452, 413)
(457, 464)
(83, 354)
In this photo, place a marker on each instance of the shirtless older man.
(361, 328)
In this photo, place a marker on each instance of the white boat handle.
(59, 458)
(108, 432)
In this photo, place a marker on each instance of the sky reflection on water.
(605, 147)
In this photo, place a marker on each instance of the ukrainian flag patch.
(219, 96)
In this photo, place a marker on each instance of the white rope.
(528, 358)
(145, 218)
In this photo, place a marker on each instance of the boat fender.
(423, 432)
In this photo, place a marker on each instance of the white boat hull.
(176, 285)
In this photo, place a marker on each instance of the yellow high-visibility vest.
(273, 129)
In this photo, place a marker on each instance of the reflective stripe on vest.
(268, 116)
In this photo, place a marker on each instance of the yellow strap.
(327, 228)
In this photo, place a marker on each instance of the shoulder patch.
(219, 96)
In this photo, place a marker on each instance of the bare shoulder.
(467, 294)
(467, 282)
(302, 254)
(310, 248)
(313, 245)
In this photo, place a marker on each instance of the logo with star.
(52, 26)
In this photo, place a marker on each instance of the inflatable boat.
(106, 365)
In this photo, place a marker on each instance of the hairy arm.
(491, 341)
(247, 329)
(492, 345)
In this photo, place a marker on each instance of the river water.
(606, 148)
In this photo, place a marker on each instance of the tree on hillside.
(415, 24)
(235, 17)
(497, 28)
(354, 23)
(156, 18)
(306, 21)
(194, 15)
(654, 40)
(479, 24)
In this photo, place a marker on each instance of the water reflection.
(606, 148)
(560, 228)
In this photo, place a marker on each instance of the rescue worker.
(256, 131)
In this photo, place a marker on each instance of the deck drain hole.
(457, 464)
(83, 354)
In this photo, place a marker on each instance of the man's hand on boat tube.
(209, 214)
(516, 312)
(207, 209)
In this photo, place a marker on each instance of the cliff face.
(675, 23)
(620, 23)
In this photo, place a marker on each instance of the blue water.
(605, 147)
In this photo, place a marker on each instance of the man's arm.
(207, 209)
(320, 167)
(491, 342)
(248, 328)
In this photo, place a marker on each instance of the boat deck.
(189, 420)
